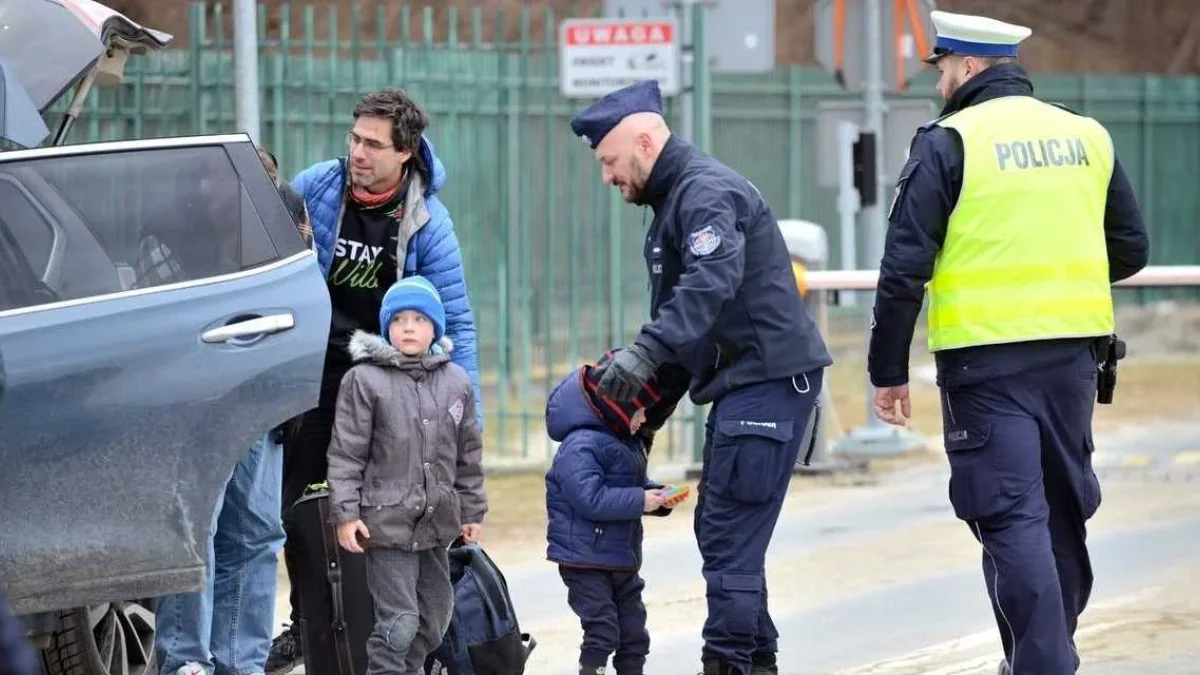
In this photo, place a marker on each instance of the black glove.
(625, 375)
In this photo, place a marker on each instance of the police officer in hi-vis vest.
(1019, 218)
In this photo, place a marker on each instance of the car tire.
(111, 639)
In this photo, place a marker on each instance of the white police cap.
(968, 35)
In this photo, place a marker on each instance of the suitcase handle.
(334, 573)
(335, 588)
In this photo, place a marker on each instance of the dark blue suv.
(158, 313)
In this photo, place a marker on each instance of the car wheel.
(111, 639)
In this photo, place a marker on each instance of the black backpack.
(484, 637)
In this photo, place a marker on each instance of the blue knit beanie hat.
(415, 293)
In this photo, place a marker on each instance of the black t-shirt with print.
(363, 269)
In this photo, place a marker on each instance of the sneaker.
(191, 668)
(286, 653)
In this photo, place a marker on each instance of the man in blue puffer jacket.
(375, 218)
(596, 494)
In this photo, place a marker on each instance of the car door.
(159, 313)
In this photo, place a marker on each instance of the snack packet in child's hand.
(674, 494)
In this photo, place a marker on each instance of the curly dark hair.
(408, 119)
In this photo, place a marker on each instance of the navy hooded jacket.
(595, 488)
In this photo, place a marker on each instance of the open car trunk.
(53, 47)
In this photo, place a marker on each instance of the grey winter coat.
(406, 451)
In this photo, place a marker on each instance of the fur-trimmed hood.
(405, 455)
(372, 348)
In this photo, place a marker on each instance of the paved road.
(881, 623)
(933, 614)
(881, 580)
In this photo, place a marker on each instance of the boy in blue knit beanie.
(405, 472)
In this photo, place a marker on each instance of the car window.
(30, 231)
(18, 285)
(134, 219)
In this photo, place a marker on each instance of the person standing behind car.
(291, 199)
(376, 218)
(226, 628)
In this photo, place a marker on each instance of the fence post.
(524, 240)
(702, 120)
(196, 19)
(1146, 198)
(795, 143)
(279, 103)
(310, 68)
(245, 47)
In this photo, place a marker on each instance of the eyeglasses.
(371, 145)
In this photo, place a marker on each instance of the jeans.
(227, 627)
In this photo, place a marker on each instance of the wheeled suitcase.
(337, 614)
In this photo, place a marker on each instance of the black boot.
(591, 670)
(287, 652)
(764, 664)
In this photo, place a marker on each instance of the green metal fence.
(553, 258)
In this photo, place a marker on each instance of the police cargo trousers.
(1020, 453)
(754, 436)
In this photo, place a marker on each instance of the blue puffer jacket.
(595, 489)
(431, 250)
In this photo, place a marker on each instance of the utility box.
(808, 246)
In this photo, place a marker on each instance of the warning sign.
(597, 56)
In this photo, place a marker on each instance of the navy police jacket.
(724, 301)
(926, 193)
(595, 488)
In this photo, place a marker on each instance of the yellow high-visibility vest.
(801, 271)
(1024, 256)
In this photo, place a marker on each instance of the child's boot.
(591, 670)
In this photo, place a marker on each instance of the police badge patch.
(704, 241)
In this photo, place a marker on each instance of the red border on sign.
(620, 34)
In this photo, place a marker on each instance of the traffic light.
(866, 174)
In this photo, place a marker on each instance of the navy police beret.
(594, 122)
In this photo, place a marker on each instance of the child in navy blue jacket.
(596, 494)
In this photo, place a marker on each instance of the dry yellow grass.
(1147, 390)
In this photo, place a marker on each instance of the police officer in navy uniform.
(1019, 217)
(724, 307)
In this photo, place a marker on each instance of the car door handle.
(259, 326)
